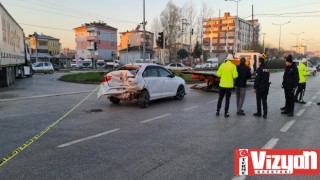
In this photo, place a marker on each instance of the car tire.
(180, 93)
(144, 99)
(114, 100)
(314, 73)
(51, 72)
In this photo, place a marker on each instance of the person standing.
(303, 72)
(241, 83)
(227, 73)
(261, 87)
(289, 84)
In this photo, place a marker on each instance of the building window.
(112, 44)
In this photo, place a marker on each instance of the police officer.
(261, 87)
(227, 73)
(289, 84)
(303, 72)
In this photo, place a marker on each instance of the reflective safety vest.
(303, 72)
(227, 73)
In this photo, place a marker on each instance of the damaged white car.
(142, 83)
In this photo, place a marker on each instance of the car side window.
(179, 65)
(172, 65)
(150, 72)
(46, 64)
(163, 72)
(39, 65)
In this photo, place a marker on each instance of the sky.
(61, 16)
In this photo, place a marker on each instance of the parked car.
(200, 66)
(43, 67)
(87, 63)
(56, 67)
(212, 63)
(178, 67)
(101, 64)
(142, 83)
(310, 67)
(74, 64)
(318, 67)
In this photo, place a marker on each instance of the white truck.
(14, 57)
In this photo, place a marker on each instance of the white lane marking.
(314, 97)
(212, 101)
(239, 178)
(299, 113)
(308, 104)
(42, 96)
(155, 118)
(287, 126)
(190, 108)
(87, 138)
(271, 143)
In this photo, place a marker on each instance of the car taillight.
(106, 78)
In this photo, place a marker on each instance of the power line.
(45, 27)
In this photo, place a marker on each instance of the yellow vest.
(303, 73)
(228, 72)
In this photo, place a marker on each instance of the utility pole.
(144, 32)
(280, 25)
(307, 43)
(227, 34)
(253, 34)
(235, 49)
(263, 41)
(297, 41)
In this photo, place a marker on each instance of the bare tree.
(170, 20)
(189, 13)
(156, 27)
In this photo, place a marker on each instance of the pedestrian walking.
(289, 84)
(227, 73)
(261, 88)
(303, 72)
(241, 83)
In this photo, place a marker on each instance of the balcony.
(90, 29)
(207, 26)
(147, 36)
(91, 38)
(207, 32)
(90, 48)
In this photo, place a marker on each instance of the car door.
(168, 83)
(173, 66)
(152, 79)
(46, 67)
(39, 67)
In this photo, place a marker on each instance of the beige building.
(229, 34)
(300, 49)
(135, 38)
(44, 44)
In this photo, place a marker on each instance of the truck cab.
(251, 59)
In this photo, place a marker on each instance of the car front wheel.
(144, 99)
(114, 100)
(180, 93)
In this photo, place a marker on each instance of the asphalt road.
(169, 140)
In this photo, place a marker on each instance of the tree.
(170, 19)
(182, 53)
(197, 51)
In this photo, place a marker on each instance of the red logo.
(277, 162)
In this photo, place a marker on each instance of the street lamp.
(280, 25)
(297, 36)
(236, 29)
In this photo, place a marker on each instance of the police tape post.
(276, 162)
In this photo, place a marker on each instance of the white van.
(312, 69)
(212, 63)
(87, 63)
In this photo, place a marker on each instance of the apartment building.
(301, 49)
(135, 38)
(44, 44)
(96, 33)
(222, 36)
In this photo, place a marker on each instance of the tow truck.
(211, 79)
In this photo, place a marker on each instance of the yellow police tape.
(32, 140)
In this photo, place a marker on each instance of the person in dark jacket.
(261, 87)
(289, 84)
(241, 83)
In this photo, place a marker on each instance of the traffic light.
(160, 40)
(95, 47)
